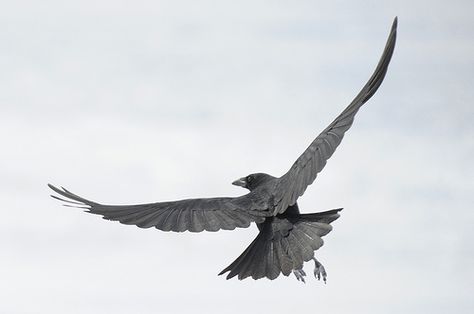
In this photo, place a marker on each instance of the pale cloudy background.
(138, 101)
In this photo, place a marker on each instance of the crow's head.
(253, 181)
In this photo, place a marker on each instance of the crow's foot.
(299, 274)
(319, 270)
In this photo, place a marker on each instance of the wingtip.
(52, 187)
(395, 23)
(56, 189)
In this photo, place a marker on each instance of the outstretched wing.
(304, 171)
(195, 215)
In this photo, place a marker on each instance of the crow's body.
(286, 238)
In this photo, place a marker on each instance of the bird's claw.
(299, 274)
(319, 270)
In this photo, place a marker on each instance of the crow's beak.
(240, 182)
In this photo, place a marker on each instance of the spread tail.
(283, 244)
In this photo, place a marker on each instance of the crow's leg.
(319, 270)
(299, 274)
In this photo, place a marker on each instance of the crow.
(286, 239)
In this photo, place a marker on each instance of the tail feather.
(273, 263)
(324, 217)
(289, 255)
(282, 245)
(247, 264)
(237, 266)
(261, 262)
(295, 252)
(305, 245)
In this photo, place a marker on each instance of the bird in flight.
(286, 239)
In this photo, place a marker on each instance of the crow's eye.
(249, 179)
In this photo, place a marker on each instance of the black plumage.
(286, 238)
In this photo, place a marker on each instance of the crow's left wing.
(195, 215)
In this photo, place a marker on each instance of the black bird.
(286, 238)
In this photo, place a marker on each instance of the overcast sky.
(141, 101)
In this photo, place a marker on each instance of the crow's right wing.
(195, 215)
(305, 169)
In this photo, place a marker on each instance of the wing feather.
(305, 169)
(195, 215)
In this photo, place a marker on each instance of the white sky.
(140, 101)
